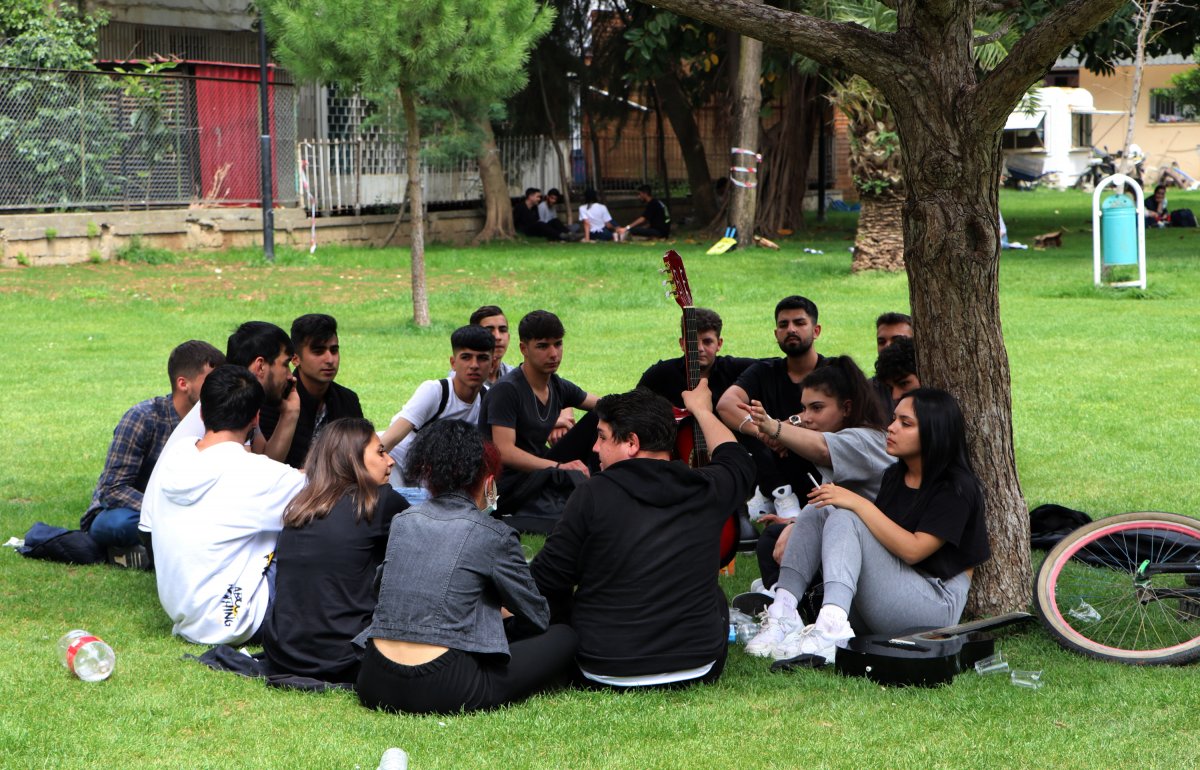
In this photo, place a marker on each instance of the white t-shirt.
(189, 430)
(419, 410)
(594, 216)
(217, 515)
(545, 212)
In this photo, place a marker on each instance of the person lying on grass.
(840, 431)
(437, 642)
(905, 560)
(334, 536)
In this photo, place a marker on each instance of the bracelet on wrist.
(742, 424)
(778, 428)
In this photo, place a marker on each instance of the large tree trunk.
(499, 222)
(952, 253)
(879, 241)
(675, 104)
(416, 209)
(787, 153)
(747, 103)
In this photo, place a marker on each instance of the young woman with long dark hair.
(903, 561)
(840, 431)
(437, 642)
(334, 535)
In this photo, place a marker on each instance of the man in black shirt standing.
(317, 359)
(632, 564)
(669, 378)
(782, 475)
(655, 221)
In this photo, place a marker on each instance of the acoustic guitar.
(922, 658)
(689, 441)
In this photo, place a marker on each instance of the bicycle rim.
(1100, 610)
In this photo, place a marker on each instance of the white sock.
(832, 618)
(784, 605)
(783, 491)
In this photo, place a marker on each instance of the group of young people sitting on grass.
(431, 605)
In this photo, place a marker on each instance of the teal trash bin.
(1118, 230)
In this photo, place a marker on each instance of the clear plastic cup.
(1029, 679)
(992, 664)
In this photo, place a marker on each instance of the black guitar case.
(922, 657)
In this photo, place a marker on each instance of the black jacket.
(632, 565)
(340, 401)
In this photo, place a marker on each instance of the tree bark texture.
(416, 209)
(787, 154)
(1145, 19)
(747, 103)
(499, 221)
(949, 120)
(679, 112)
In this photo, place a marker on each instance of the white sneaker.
(811, 640)
(787, 505)
(759, 505)
(757, 587)
(771, 634)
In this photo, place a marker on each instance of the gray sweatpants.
(880, 593)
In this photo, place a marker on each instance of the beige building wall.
(1162, 142)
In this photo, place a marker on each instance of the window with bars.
(1165, 107)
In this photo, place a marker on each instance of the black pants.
(462, 681)
(775, 471)
(646, 231)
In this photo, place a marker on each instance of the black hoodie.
(632, 564)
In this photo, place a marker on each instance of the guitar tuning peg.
(662, 270)
(668, 294)
(666, 283)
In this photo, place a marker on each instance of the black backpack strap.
(445, 381)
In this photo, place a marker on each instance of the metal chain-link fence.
(110, 140)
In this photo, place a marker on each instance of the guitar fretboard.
(691, 359)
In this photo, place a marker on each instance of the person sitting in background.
(548, 213)
(596, 221)
(318, 356)
(334, 536)
(437, 642)
(138, 440)
(457, 397)
(896, 369)
(669, 378)
(217, 511)
(889, 327)
(492, 318)
(525, 217)
(1157, 212)
(902, 561)
(655, 221)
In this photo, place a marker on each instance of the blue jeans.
(117, 527)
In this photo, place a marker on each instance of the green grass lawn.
(1106, 408)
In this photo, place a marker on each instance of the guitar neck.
(986, 624)
(691, 358)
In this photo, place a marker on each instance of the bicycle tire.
(1095, 610)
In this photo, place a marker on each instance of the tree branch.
(1000, 32)
(874, 55)
(1034, 54)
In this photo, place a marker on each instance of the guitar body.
(922, 658)
(689, 442)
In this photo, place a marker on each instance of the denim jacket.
(449, 568)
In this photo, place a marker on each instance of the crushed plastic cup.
(1029, 679)
(992, 664)
(1084, 612)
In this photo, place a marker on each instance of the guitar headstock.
(678, 280)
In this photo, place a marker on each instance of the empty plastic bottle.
(86, 656)
(394, 759)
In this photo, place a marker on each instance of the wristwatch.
(795, 420)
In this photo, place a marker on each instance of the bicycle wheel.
(1093, 599)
